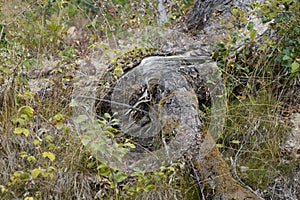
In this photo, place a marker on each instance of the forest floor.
(40, 159)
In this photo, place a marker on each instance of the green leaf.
(295, 67)
(26, 95)
(138, 189)
(220, 46)
(50, 175)
(49, 138)
(252, 34)
(84, 127)
(59, 125)
(5, 70)
(103, 170)
(26, 110)
(250, 26)
(19, 176)
(128, 144)
(120, 176)
(211, 82)
(115, 120)
(229, 26)
(108, 133)
(49, 155)
(149, 187)
(107, 115)
(110, 128)
(235, 142)
(53, 26)
(286, 57)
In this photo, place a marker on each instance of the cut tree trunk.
(213, 173)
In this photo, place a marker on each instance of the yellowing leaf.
(118, 71)
(20, 130)
(59, 117)
(31, 158)
(235, 142)
(36, 172)
(295, 67)
(128, 144)
(49, 155)
(26, 132)
(23, 154)
(52, 168)
(51, 176)
(229, 25)
(37, 142)
(234, 11)
(59, 125)
(3, 189)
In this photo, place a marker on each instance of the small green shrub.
(284, 17)
(247, 59)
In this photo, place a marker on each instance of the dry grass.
(253, 139)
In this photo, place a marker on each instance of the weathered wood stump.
(158, 105)
(158, 101)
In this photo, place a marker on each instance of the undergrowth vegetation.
(42, 158)
(261, 74)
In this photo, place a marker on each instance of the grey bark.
(201, 12)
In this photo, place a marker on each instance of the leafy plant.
(284, 17)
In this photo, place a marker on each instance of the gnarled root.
(216, 178)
